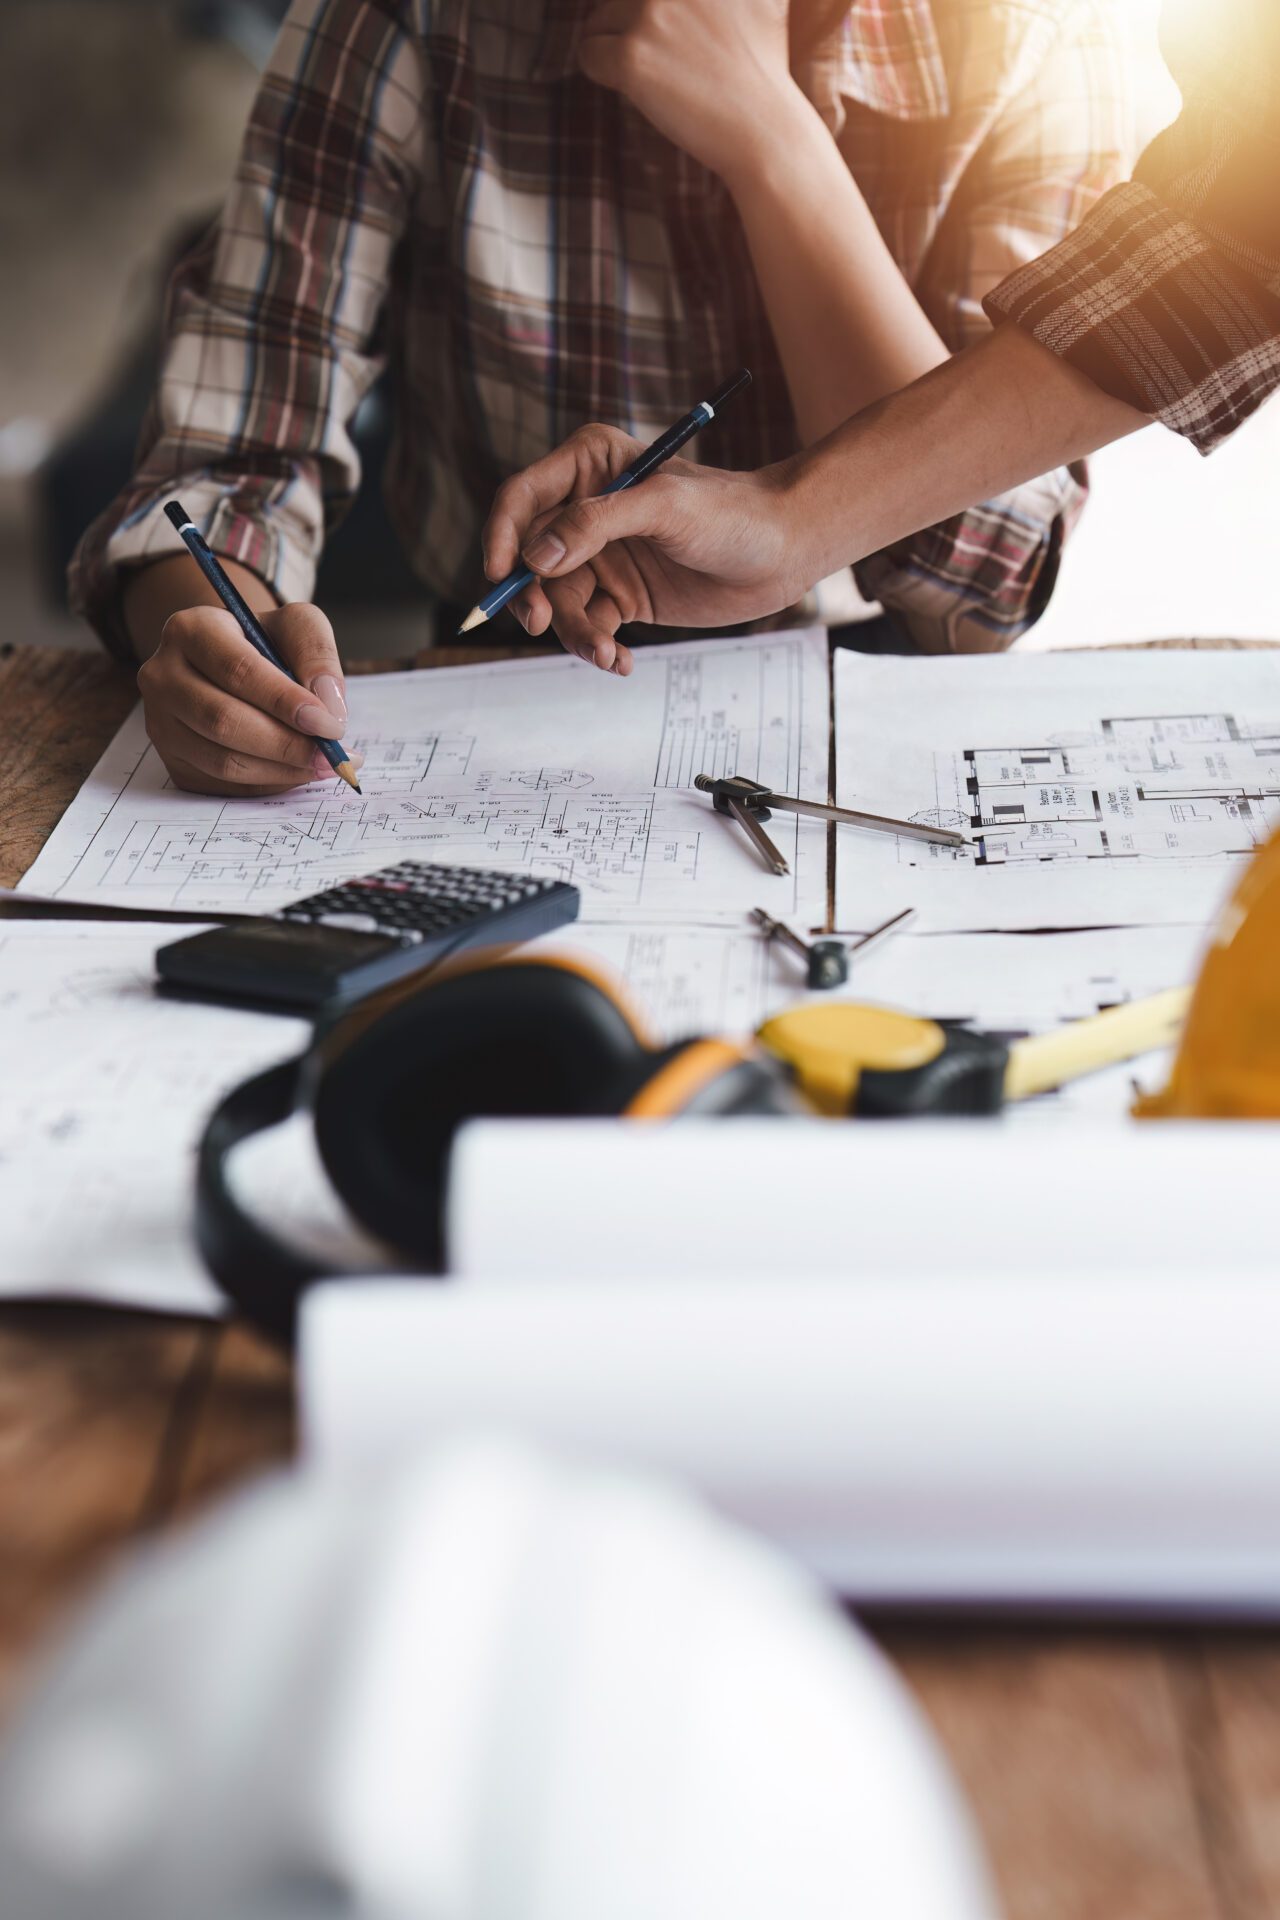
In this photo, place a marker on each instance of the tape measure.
(850, 1058)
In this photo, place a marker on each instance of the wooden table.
(1115, 1775)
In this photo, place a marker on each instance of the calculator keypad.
(416, 900)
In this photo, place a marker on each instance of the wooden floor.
(1115, 1775)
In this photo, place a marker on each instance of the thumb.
(603, 39)
(600, 56)
(303, 637)
(577, 533)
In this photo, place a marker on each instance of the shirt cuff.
(122, 539)
(1138, 299)
(977, 582)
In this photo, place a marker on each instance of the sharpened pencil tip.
(476, 618)
(347, 772)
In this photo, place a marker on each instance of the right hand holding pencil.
(693, 547)
(226, 721)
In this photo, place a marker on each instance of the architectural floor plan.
(1094, 788)
(1159, 786)
(541, 765)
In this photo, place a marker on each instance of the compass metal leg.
(759, 838)
(873, 822)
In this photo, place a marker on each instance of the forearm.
(987, 421)
(153, 593)
(701, 547)
(849, 330)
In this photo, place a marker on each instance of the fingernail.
(313, 719)
(326, 688)
(545, 552)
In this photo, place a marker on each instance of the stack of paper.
(1114, 798)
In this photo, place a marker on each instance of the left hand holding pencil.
(226, 721)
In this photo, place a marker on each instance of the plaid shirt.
(1168, 296)
(436, 183)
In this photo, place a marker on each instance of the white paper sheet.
(106, 1089)
(610, 1200)
(1106, 789)
(714, 980)
(1100, 1438)
(543, 765)
(688, 979)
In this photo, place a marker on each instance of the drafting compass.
(747, 802)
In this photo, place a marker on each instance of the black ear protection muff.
(390, 1082)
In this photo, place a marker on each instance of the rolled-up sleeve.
(1168, 295)
(976, 582)
(273, 321)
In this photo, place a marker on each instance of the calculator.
(337, 946)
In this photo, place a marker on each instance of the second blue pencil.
(641, 467)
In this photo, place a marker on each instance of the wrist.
(818, 493)
(780, 123)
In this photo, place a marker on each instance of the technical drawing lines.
(1165, 786)
(608, 842)
(537, 765)
(395, 765)
(719, 722)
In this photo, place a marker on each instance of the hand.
(714, 76)
(224, 720)
(693, 546)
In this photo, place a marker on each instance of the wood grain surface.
(1114, 1775)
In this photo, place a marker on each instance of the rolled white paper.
(1108, 1440)
(607, 1199)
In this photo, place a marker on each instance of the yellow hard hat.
(1228, 1064)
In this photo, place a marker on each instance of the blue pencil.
(641, 467)
(249, 624)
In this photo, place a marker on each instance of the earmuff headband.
(390, 1083)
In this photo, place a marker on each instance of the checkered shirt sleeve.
(273, 323)
(977, 581)
(1168, 295)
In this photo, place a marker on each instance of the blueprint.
(719, 980)
(684, 980)
(1095, 789)
(541, 765)
(107, 1088)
